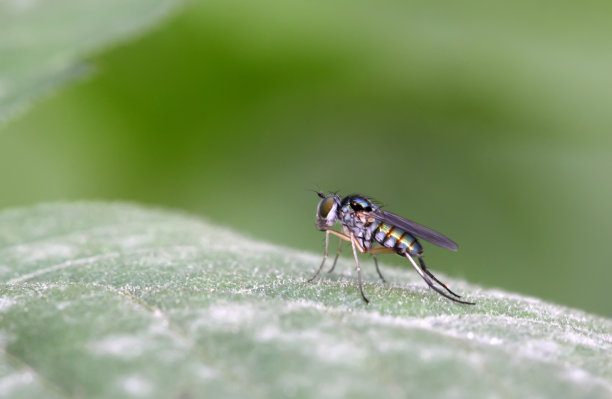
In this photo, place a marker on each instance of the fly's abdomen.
(393, 237)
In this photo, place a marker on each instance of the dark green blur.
(489, 122)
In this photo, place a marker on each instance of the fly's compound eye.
(325, 206)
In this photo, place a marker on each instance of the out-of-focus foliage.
(487, 121)
(117, 301)
(42, 42)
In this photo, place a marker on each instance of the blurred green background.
(487, 121)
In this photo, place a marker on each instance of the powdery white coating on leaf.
(229, 316)
(206, 372)
(122, 301)
(9, 383)
(60, 266)
(6, 302)
(46, 251)
(25, 384)
(124, 346)
(137, 386)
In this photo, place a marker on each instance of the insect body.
(365, 225)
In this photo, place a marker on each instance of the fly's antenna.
(318, 191)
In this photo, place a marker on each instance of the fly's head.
(327, 210)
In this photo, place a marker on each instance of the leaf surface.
(116, 300)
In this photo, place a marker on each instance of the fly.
(372, 230)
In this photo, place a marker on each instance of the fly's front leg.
(327, 232)
(336, 258)
(356, 245)
(324, 257)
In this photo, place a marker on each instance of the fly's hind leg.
(422, 263)
(432, 285)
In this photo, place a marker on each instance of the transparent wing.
(416, 229)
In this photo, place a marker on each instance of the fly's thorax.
(357, 203)
(352, 221)
(361, 224)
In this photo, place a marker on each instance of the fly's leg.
(431, 284)
(327, 232)
(324, 257)
(358, 269)
(378, 270)
(382, 250)
(373, 256)
(422, 263)
(336, 258)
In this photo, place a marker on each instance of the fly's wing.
(414, 228)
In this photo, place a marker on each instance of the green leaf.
(42, 42)
(115, 300)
